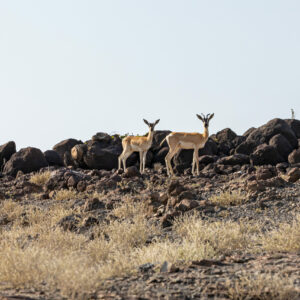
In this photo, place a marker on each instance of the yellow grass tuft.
(285, 238)
(40, 178)
(228, 198)
(66, 195)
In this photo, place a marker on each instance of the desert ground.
(73, 226)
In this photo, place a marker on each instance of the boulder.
(131, 172)
(246, 147)
(248, 132)
(27, 160)
(159, 157)
(282, 145)
(98, 157)
(208, 159)
(102, 137)
(276, 126)
(225, 135)
(265, 155)
(65, 146)
(53, 158)
(295, 126)
(293, 175)
(158, 136)
(294, 157)
(235, 159)
(6, 151)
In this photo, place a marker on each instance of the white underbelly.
(187, 145)
(136, 148)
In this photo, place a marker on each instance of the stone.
(264, 155)
(27, 160)
(294, 157)
(293, 175)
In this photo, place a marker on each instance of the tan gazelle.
(139, 144)
(187, 140)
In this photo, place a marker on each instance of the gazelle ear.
(199, 117)
(156, 122)
(146, 122)
(211, 117)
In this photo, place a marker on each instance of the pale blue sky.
(73, 68)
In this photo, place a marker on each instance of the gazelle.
(186, 140)
(139, 144)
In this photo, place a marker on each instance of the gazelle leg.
(144, 160)
(197, 160)
(120, 161)
(168, 159)
(125, 156)
(141, 161)
(195, 157)
(193, 164)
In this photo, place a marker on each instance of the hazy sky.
(73, 68)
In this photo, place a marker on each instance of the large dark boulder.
(225, 135)
(246, 147)
(102, 137)
(264, 133)
(6, 151)
(53, 158)
(158, 136)
(98, 157)
(294, 157)
(248, 132)
(210, 148)
(282, 145)
(236, 159)
(159, 157)
(295, 126)
(265, 155)
(26, 160)
(65, 146)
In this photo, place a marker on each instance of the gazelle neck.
(206, 133)
(150, 135)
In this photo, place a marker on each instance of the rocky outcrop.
(264, 155)
(26, 160)
(65, 146)
(6, 151)
(294, 156)
(295, 126)
(282, 145)
(53, 158)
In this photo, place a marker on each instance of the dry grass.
(130, 208)
(10, 210)
(228, 198)
(40, 178)
(263, 287)
(41, 255)
(223, 237)
(64, 194)
(285, 238)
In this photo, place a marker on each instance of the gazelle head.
(205, 119)
(151, 125)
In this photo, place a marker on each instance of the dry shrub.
(65, 195)
(263, 287)
(228, 198)
(130, 209)
(222, 236)
(40, 178)
(285, 238)
(10, 210)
